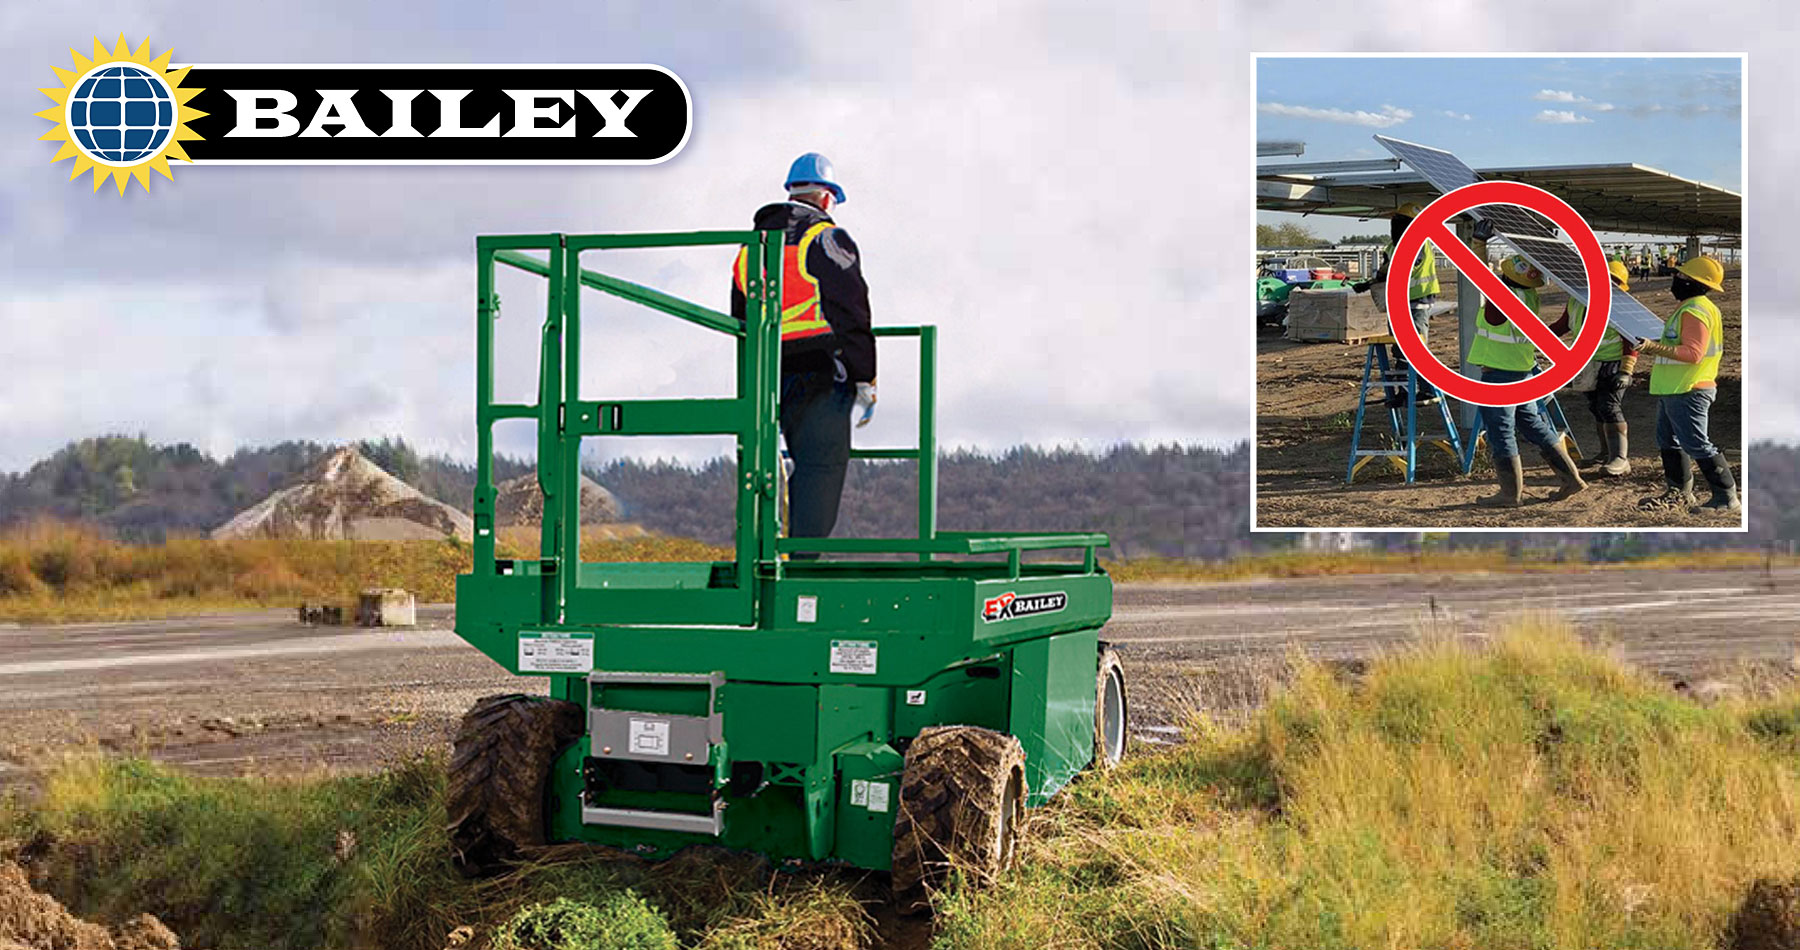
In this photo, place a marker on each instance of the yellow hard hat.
(1520, 271)
(1704, 271)
(1410, 209)
(1621, 276)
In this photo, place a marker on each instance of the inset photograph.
(1505, 414)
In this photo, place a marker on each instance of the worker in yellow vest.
(1506, 355)
(1422, 290)
(1605, 379)
(827, 343)
(1684, 379)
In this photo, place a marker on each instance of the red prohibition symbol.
(1565, 361)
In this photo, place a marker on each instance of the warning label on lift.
(650, 736)
(871, 795)
(555, 652)
(854, 656)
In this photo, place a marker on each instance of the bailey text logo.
(1009, 605)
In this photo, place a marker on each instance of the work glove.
(1655, 348)
(1362, 286)
(1484, 230)
(865, 397)
(1628, 365)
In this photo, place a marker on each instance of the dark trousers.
(815, 422)
(1607, 399)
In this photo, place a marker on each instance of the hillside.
(1173, 501)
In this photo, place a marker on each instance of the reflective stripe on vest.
(1612, 346)
(1504, 346)
(801, 315)
(1424, 281)
(1670, 377)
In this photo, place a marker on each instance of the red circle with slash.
(1566, 361)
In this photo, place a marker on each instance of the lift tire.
(1112, 711)
(961, 805)
(499, 765)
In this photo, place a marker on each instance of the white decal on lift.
(878, 796)
(808, 611)
(859, 792)
(555, 652)
(854, 656)
(915, 697)
(650, 736)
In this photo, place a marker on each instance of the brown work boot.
(1618, 451)
(1557, 457)
(1511, 476)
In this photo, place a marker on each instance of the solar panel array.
(1527, 233)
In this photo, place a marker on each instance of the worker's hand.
(1362, 286)
(1655, 348)
(865, 397)
(1484, 230)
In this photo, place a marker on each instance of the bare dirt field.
(1306, 403)
(255, 692)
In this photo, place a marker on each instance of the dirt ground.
(1306, 405)
(257, 693)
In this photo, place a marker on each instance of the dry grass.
(1462, 561)
(1533, 794)
(55, 572)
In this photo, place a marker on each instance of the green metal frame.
(744, 624)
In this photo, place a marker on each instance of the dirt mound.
(519, 503)
(1769, 918)
(33, 921)
(348, 497)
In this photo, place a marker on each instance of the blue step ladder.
(1387, 382)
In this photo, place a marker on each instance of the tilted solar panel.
(1526, 233)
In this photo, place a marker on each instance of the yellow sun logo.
(121, 114)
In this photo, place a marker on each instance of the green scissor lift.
(892, 705)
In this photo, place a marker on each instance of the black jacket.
(843, 295)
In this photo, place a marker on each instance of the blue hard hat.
(814, 169)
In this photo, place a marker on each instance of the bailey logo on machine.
(1009, 606)
(123, 114)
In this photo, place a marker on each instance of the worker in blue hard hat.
(1422, 290)
(827, 341)
(1506, 355)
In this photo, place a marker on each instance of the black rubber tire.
(498, 769)
(1112, 713)
(962, 803)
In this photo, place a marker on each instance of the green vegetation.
(1536, 794)
(361, 861)
(1533, 793)
(1287, 234)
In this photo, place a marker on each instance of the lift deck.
(762, 703)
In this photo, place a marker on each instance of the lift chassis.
(842, 709)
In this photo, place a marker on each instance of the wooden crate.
(1333, 316)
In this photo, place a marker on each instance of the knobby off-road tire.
(498, 769)
(1111, 711)
(962, 802)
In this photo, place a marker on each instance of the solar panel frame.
(1527, 234)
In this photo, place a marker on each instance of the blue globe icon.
(121, 114)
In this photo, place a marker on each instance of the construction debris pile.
(346, 497)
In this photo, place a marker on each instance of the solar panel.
(1562, 264)
(1527, 233)
(1447, 173)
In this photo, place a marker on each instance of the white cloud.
(1385, 118)
(1557, 95)
(1452, 114)
(1561, 117)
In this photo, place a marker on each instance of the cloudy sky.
(1060, 186)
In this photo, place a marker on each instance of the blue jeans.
(815, 422)
(1505, 424)
(1681, 423)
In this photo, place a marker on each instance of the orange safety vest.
(801, 316)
